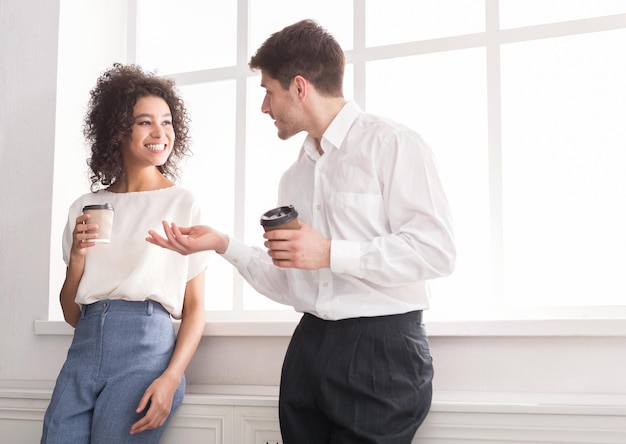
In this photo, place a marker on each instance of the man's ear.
(301, 86)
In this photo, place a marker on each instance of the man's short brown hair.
(306, 49)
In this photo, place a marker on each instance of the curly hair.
(110, 117)
(306, 49)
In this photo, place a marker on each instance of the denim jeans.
(119, 349)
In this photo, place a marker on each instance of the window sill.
(513, 328)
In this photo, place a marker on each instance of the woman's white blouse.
(129, 267)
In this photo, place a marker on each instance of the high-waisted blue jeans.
(119, 349)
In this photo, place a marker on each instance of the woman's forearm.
(191, 328)
(67, 297)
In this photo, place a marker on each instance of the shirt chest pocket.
(356, 213)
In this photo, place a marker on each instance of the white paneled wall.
(248, 415)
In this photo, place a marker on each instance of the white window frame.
(587, 321)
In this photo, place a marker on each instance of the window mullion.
(494, 137)
(132, 31)
(243, 27)
(356, 57)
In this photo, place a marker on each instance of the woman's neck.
(143, 182)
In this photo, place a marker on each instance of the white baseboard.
(248, 415)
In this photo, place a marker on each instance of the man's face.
(282, 106)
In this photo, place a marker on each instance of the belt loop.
(149, 308)
(82, 311)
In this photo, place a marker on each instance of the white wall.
(28, 105)
(28, 39)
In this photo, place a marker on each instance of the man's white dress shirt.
(376, 193)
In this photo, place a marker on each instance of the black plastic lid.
(278, 216)
(106, 206)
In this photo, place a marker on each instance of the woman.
(124, 372)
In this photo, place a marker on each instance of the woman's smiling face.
(152, 134)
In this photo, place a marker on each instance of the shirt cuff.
(237, 252)
(345, 257)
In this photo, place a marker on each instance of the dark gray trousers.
(360, 380)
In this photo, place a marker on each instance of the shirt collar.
(336, 131)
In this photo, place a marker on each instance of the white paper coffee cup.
(103, 216)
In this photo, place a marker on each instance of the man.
(374, 227)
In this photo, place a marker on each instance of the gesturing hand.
(188, 240)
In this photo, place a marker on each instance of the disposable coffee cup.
(281, 218)
(103, 216)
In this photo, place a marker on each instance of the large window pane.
(556, 229)
(443, 97)
(564, 158)
(210, 174)
(186, 35)
(516, 13)
(398, 21)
